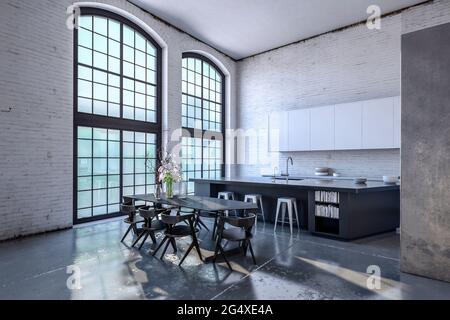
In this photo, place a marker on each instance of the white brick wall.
(348, 65)
(36, 109)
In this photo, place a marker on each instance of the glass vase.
(169, 189)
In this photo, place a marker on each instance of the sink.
(290, 178)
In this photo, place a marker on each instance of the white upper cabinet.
(378, 124)
(322, 128)
(348, 126)
(371, 124)
(397, 122)
(278, 132)
(299, 130)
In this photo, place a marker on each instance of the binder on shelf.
(326, 196)
(327, 211)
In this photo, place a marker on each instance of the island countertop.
(310, 184)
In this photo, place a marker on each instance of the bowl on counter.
(390, 179)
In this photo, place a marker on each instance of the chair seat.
(137, 220)
(234, 234)
(156, 225)
(180, 231)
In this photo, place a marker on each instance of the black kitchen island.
(333, 208)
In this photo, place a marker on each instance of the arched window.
(117, 113)
(203, 120)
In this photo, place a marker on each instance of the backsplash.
(367, 163)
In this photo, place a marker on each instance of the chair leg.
(296, 214)
(244, 247)
(276, 216)
(251, 251)
(143, 241)
(224, 257)
(152, 235)
(215, 226)
(165, 249)
(174, 245)
(187, 252)
(126, 233)
(160, 245)
(138, 238)
(216, 251)
(201, 223)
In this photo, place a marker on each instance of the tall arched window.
(117, 113)
(203, 120)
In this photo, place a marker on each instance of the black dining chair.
(174, 230)
(151, 223)
(131, 219)
(240, 230)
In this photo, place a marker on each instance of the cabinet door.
(299, 130)
(378, 124)
(397, 122)
(278, 131)
(322, 128)
(348, 126)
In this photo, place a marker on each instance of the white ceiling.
(241, 28)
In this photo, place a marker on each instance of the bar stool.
(256, 198)
(291, 205)
(226, 195)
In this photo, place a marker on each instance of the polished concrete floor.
(289, 267)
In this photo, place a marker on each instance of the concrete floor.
(289, 267)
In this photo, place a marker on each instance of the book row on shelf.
(327, 211)
(325, 196)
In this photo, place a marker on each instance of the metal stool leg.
(289, 207)
(276, 216)
(296, 214)
(262, 209)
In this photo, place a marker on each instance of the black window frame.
(106, 122)
(197, 133)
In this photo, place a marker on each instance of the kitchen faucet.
(287, 167)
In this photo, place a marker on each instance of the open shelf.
(326, 225)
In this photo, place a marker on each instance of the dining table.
(198, 204)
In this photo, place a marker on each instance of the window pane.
(100, 25)
(84, 148)
(99, 166)
(85, 38)
(84, 89)
(84, 105)
(100, 43)
(114, 30)
(100, 149)
(128, 36)
(84, 199)
(99, 182)
(85, 22)
(100, 60)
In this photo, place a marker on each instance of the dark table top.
(309, 184)
(197, 202)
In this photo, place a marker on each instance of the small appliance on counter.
(322, 171)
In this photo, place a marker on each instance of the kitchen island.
(362, 209)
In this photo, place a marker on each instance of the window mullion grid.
(201, 118)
